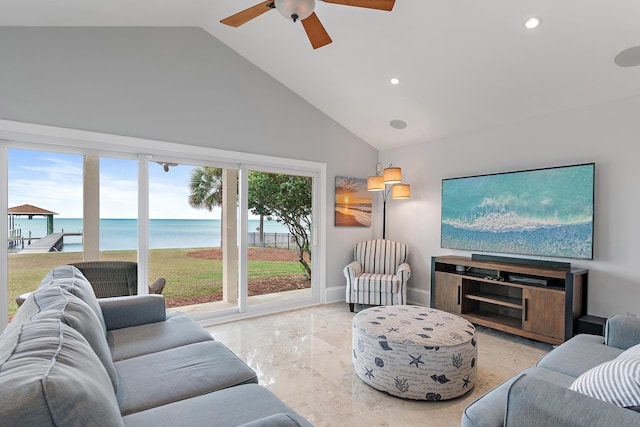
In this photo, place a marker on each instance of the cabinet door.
(543, 312)
(448, 292)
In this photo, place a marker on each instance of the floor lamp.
(390, 182)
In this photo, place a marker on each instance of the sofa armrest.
(622, 331)
(353, 270)
(135, 310)
(544, 404)
(275, 420)
(404, 272)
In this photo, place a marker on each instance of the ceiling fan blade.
(248, 14)
(318, 36)
(369, 4)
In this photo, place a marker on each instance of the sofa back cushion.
(49, 376)
(71, 280)
(52, 302)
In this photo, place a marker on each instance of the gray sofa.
(586, 381)
(69, 359)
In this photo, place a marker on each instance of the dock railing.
(15, 237)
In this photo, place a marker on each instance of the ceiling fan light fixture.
(533, 23)
(295, 9)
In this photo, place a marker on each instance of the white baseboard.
(418, 297)
(335, 294)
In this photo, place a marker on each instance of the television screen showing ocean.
(121, 234)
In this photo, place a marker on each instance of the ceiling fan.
(302, 10)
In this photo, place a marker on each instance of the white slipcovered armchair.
(378, 274)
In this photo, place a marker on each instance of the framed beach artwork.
(353, 202)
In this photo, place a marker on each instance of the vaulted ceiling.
(463, 65)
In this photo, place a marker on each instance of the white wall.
(607, 134)
(178, 85)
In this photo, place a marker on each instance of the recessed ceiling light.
(629, 57)
(532, 23)
(394, 81)
(398, 124)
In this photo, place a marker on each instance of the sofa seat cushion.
(579, 354)
(489, 410)
(50, 376)
(71, 280)
(136, 341)
(168, 376)
(225, 408)
(52, 302)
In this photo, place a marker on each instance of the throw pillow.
(616, 381)
(630, 353)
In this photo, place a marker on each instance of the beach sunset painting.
(353, 202)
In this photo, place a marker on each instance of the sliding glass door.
(231, 233)
(189, 240)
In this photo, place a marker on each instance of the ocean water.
(121, 234)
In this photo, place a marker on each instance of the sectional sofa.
(69, 359)
(586, 381)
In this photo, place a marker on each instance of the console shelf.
(496, 299)
(537, 302)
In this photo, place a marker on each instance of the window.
(153, 191)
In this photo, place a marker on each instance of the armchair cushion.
(380, 256)
(371, 282)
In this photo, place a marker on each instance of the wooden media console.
(537, 302)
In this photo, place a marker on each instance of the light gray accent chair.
(378, 274)
(69, 359)
(541, 396)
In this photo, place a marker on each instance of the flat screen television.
(541, 212)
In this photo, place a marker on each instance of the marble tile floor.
(304, 357)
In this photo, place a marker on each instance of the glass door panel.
(280, 232)
(187, 237)
(44, 217)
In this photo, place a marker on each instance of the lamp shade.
(401, 191)
(392, 175)
(295, 9)
(375, 183)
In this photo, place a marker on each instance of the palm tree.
(206, 189)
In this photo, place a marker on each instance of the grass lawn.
(186, 276)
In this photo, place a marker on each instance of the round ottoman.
(414, 352)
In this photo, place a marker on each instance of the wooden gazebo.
(31, 211)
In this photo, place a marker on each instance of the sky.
(53, 181)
